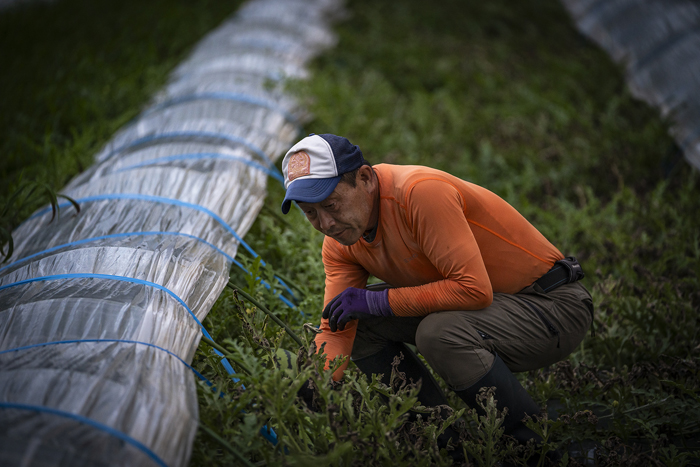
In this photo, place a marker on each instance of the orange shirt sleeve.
(436, 217)
(341, 273)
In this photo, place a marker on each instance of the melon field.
(505, 94)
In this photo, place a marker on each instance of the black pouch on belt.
(564, 271)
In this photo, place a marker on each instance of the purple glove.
(355, 303)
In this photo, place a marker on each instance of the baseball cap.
(312, 168)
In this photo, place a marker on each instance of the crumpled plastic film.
(658, 41)
(100, 311)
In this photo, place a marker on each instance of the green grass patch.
(75, 71)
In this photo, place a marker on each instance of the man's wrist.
(378, 303)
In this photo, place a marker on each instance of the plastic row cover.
(659, 43)
(100, 312)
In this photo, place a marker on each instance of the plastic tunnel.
(100, 312)
(658, 41)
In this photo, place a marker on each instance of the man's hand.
(355, 303)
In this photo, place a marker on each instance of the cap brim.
(309, 190)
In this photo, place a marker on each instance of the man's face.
(347, 212)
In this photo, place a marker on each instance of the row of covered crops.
(101, 311)
(658, 43)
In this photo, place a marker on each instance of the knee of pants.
(437, 336)
(453, 350)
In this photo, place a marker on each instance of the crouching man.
(471, 283)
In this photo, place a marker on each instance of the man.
(472, 284)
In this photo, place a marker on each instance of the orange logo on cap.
(299, 165)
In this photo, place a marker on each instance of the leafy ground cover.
(504, 94)
(507, 95)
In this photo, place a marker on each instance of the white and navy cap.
(312, 167)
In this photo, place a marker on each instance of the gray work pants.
(528, 330)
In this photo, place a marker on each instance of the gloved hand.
(355, 303)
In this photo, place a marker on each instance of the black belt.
(564, 271)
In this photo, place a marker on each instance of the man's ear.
(365, 175)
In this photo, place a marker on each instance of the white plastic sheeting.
(100, 312)
(658, 41)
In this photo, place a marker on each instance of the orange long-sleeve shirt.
(445, 243)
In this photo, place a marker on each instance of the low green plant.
(353, 422)
(27, 195)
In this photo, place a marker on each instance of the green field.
(504, 94)
(75, 71)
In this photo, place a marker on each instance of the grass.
(75, 71)
(505, 94)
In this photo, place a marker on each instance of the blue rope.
(224, 96)
(265, 431)
(270, 435)
(120, 235)
(274, 45)
(269, 75)
(133, 234)
(160, 199)
(189, 134)
(88, 421)
(224, 362)
(156, 199)
(108, 277)
(76, 341)
(204, 155)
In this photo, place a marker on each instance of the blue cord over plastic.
(155, 199)
(265, 431)
(134, 234)
(120, 235)
(192, 134)
(160, 199)
(223, 96)
(224, 362)
(88, 421)
(204, 155)
(126, 341)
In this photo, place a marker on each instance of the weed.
(26, 194)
